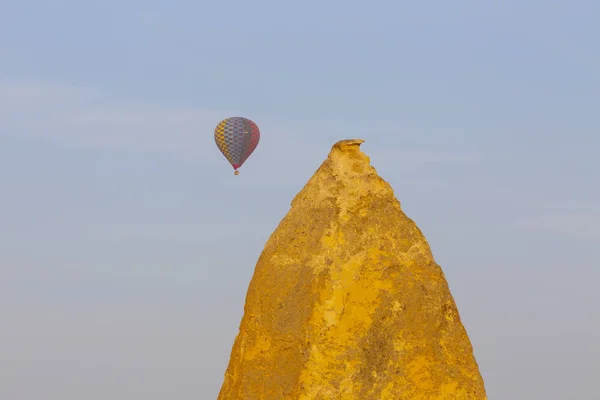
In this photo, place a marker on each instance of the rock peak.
(348, 145)
(346, 177)
(347, 302)
(347, 153)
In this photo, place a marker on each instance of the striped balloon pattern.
(236, 138)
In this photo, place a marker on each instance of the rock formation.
(347, 302)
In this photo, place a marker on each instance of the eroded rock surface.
(347, 302)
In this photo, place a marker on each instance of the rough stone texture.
(347, 302)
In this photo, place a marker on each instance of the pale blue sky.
(126, 243)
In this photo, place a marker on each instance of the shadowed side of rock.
(347, 302)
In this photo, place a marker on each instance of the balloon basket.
(236, 173)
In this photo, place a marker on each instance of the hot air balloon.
(237, 138)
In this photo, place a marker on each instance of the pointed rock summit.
(347, 302)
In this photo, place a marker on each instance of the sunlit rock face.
(347, 302)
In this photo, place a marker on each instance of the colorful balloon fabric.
(237, 138)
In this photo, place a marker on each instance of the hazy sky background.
(127, 244)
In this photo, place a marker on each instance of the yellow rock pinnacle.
(347, 302)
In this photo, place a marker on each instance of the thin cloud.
(91, 118)
(579, 225)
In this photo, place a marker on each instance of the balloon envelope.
(236, 138)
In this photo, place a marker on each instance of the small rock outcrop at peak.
(347, 302)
